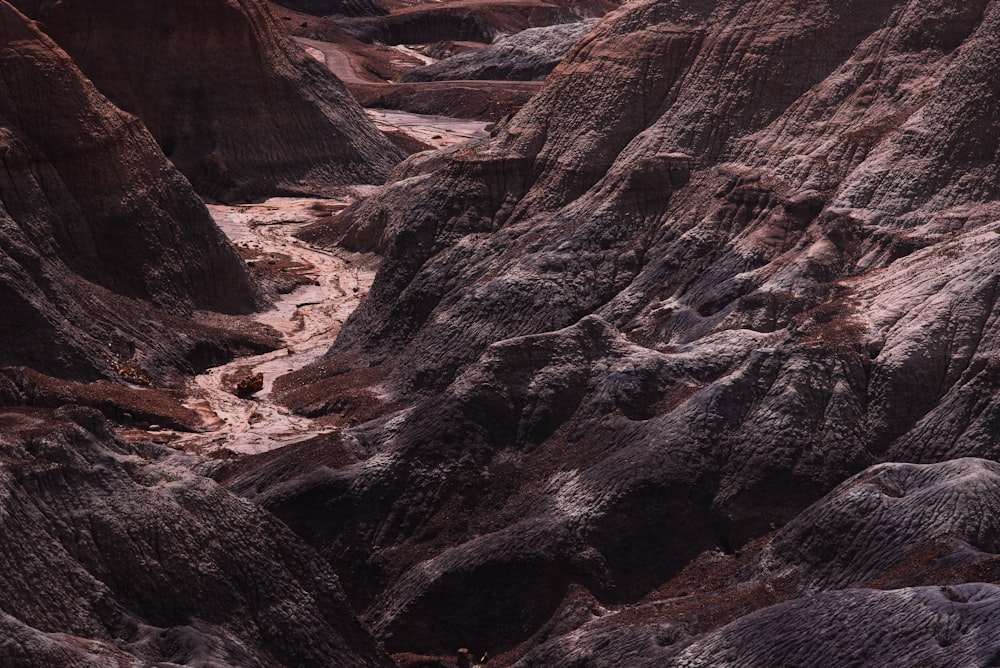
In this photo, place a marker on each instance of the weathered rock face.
(884, 628)
(525, 56)
(237, 107)
(731, 255)
(892, 525)
(112, 554)
(469, 20)
(937, 626)
(336, 7)
(100, 238)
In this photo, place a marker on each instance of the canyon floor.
(331, 284)
(308, 319)
(433, 130)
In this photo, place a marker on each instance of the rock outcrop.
(900, 527)
(239, 109)
(525, 56)
(892, 525)
(863, 628)
(103, 244)
(731, 255)
(935, 626)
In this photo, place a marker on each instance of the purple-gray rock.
(731, 255)
(524, 56)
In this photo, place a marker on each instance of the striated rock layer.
(468, 20)
(102, 243)
(731, 255)
(110, 266)
(117, 556)
(525, 56)
(238, 108)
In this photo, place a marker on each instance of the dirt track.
(437, 131)
(338, 60)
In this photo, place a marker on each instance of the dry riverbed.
(308, 320)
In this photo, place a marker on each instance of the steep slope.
(898, 524)
(102, 244)
(879, 628)
(893, 526)
(731, 255)
(115, 556)
(935, 626)
(237, 107)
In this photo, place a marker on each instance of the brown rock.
(104, 244)
(144, 562)
(237, 107)
(249, 385)
(731, 255)
(123, 404)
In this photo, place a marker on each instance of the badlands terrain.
(518, 333)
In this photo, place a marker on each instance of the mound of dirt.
(105, 250)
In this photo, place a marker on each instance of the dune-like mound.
(105, 246)
(122, 556)
(239, 109)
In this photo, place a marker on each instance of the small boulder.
(249, 385)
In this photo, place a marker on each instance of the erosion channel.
(308, 318)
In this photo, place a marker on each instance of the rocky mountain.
(691, 361)
(733, 254)
(237, 107)
(103, 245)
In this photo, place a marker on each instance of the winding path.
(308, 320)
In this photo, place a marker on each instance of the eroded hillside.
(731, 255)
(261, 118)
(691, 361)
